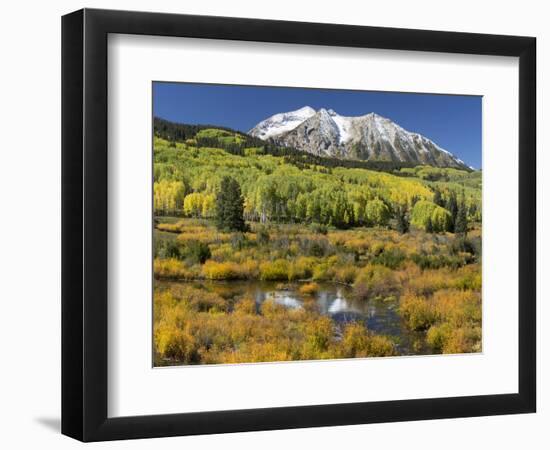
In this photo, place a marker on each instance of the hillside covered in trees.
(284, 185)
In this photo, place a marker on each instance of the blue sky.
(451, 121)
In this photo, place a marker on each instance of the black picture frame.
(84, 224)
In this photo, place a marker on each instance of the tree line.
(177, 132)
(330, 207)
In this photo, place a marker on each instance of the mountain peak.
(367, 137)
(281, 122)
(305, 110)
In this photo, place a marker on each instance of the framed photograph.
(274, 224)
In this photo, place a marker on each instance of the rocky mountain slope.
(368, 137)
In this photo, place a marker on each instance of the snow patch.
(281, 123)
(344, 125)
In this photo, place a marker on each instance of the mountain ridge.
(366, 137)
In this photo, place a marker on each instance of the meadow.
(405, 239)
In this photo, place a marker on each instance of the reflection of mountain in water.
(285, 299)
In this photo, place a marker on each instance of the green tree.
(377, 212)
(429, 226)
(461, 222)
(441, 220)
(403, 223)
(452, 207)
(230, 206)
(438, 199)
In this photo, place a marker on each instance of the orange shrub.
(309, 289)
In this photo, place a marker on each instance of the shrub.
(446, 339)
(438, 335)
(429, 281)
(239, 241)
(196, 252)
(425, 261)
(462, 244)
(221, 271)
(167, 248)
(301, 269)
(354, 341)
(272, 309)
(245, 305)
(274, 271)
(470, 281)
(317, 247)
(418, 312)
(262, 236)
(459, 308)
(169, 227)
(380, 346)
(374, 281)
(172, 269)
(319, 334)
(346, 274)
(357, 342)
(391, 258)
(318, 228)
(176, 344)
(249, 269)
(321, 272)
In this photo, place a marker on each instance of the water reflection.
(284, 299)
(333, 300)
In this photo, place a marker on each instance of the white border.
(135, 388)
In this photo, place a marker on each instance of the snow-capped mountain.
(281, 123)
(368, 137)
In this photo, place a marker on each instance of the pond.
(333, 300)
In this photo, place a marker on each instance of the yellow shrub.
(301, 268)
(272, 310)
(458, 307)
(172, 269)
(357, 342)
(213, 270)
(446, 339)
(275, 271)
(418, 311)
(354, 341)
(245, 305)
(170, 227)
(319, 334)
(249, 269)
(373, 281)
(346, 274)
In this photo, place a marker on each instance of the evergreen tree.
(403, 223)
(461, 222)
(429, 226)
(230, 206)
(438, 199)
(452, 207)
